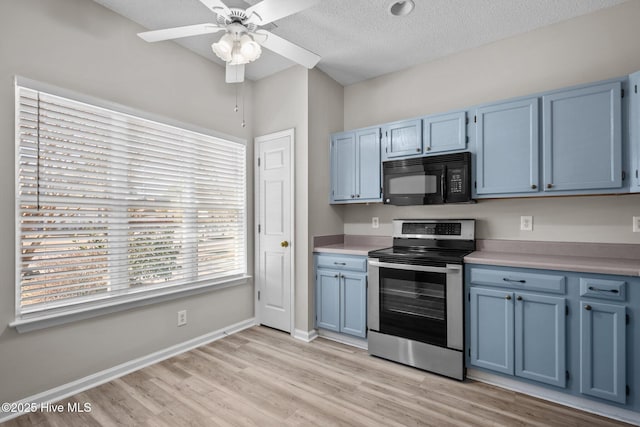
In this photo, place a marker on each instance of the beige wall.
(312, 103)
(281, 102)
(326, 115)
(589, 48)
(79, 45)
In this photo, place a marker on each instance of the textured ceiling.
(360, 39)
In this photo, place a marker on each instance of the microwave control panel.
(456, 180)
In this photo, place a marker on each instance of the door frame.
(256, 205)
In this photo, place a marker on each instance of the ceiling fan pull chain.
(243, 124)
(236, 107)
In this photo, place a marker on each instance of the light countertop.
(602, 258)
(350, 244)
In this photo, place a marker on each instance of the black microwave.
(444, 178)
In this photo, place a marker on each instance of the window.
(112, 206)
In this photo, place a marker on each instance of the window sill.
(87, 311)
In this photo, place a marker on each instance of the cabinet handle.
(507, 297)
(418, 150)
(357, 196)
(336, 276)
(591, 288)
(519, 298)
(549, 185)
(339, 263)
(533, 186)
(587, 307)
(353, 196)
(506, 279)
(427, 148)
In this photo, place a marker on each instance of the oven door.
(417, 302)
(411, 183)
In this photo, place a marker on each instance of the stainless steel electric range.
(416, 307)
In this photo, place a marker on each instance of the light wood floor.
(262, 377)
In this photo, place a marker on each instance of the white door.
(274, 229)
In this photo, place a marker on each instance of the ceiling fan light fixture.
(402, 8)
(224, 47)
(249, 48)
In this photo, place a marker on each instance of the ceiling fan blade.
(217, 6)
(179, 32)
(235, 73)
(287, 49)
(271, 10)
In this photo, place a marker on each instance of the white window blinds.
(110, 204)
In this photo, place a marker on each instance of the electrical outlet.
(375, 223)
(526, 223)
(636, 224)
(182, 317)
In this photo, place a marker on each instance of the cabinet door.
(603, 351)
(540, 338)
(444, 132)
(582, 138)
(368, 164)
(507, 147)
(492, 329)
(634, 130)
(343, 166)
(328, 299)
(403, 139)
(353, 289)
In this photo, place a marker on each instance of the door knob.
(284, 244)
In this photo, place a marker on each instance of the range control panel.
(440, 229)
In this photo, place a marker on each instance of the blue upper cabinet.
(634, 130)
(343, 166)
(402, 139)
(582, 138)
(444, 132)
(368, 183)
(355, 166)
(507, 147)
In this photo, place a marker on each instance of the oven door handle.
(449, 267)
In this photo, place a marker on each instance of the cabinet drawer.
(342, 262)
(518, 280)
(603, 289)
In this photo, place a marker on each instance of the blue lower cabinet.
(603, 350)
(519, 334)
(341, 293)
(491, 313)
(567, 331)
(353, 315)
(328, 300)
(540, 338)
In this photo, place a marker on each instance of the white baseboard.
(344, 339)
(556, 396)
(306, 336)
(66, 390)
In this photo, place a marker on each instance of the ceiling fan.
(243, 39)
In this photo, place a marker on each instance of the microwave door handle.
(443, 184)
